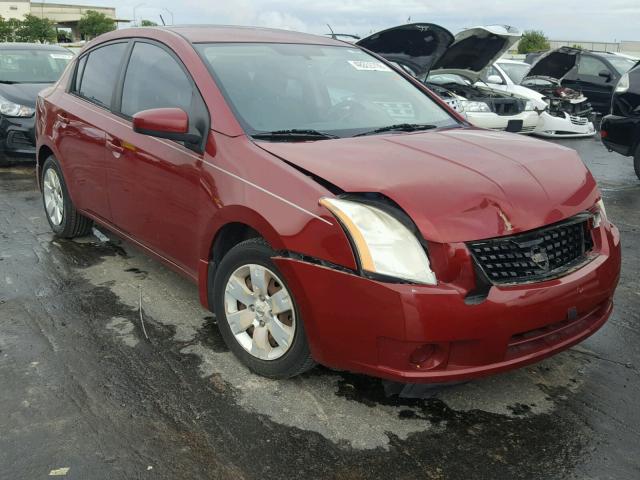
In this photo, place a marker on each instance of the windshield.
(32, 66)
(515, 71)
(621, 64)
(341, 91)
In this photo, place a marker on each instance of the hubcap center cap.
(262, 308)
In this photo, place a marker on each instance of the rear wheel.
(64, 219)
(257, 314)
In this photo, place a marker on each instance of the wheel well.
(228, 237)
(44, 153)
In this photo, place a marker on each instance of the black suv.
(595, 74)
(620, 130)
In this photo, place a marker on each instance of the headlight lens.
(471, 106)
(623, 83)
(529, 105)
(10, 109)
(600, 215)
(384, 245)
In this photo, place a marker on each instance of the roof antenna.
(162, 20)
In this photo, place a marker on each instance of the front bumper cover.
(17, 139)
(429, 334)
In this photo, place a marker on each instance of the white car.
(563, 111)
(451, 67)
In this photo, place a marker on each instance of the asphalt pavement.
(86, 394)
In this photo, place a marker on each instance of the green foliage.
(34, 29)
(533, 41)
(148, 23)
(7, 30)
(95, 23)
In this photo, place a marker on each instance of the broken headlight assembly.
(11, 109)
(384, 245)
(600, 214)
(529, 106)
(473, 106)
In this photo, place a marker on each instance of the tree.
(148, 23)
(7, 30)
(533, 41)
(95, 23)
(34, 29)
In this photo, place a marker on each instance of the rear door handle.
(115, 146)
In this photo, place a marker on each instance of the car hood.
(457, 184)
(416, 46)
(22, 93)
(555, 64)
(475, 49)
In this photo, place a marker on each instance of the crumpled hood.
(555, 64)
(22, 93)
(457, 185)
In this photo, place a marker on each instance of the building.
(64, 15)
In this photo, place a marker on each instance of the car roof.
(29, 46)
(232, 33)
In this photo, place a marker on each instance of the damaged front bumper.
(434, 334)
(565, 126)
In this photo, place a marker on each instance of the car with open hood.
(329, 206)
(25, 69)
(563, 111)
(620, 130)
(590, 73)
(453, 66)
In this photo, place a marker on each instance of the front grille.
(535, 255)
(506, 106)
(578, 120)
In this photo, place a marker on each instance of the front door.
(154, 184)
(596, 80)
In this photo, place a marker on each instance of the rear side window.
(154, 79)
(100, 73)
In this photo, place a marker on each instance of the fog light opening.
(420, 356)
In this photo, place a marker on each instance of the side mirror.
(171, 123)
(495, 79)
(605, 74)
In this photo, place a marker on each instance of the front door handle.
(115, 146)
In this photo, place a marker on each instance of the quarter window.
(100, 73)
(154, 79)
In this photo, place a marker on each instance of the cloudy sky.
(600, 20)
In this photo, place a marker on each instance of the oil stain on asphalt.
(84, 388)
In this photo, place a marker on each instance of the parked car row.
(330, 207)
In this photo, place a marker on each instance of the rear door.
(81, 124)
(597, 88)
(154, 184)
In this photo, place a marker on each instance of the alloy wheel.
(53, 199)
(260, 312)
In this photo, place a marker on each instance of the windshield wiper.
(400, 127)
(7, 82)
(294, 134)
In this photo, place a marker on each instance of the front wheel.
(257, 314)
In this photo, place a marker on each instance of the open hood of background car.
(416, 46)
(475, 49)
(457, 185)
(555, 64)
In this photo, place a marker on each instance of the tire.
(65, 220)
(256, 345)
(636, 162)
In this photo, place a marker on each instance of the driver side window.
(590, 66)
(154, 80)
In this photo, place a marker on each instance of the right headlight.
(623, 83)
(384, 245)
(471, 106)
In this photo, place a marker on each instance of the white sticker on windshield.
(61, 56)
(370, 66)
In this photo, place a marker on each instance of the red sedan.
(330, 208)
